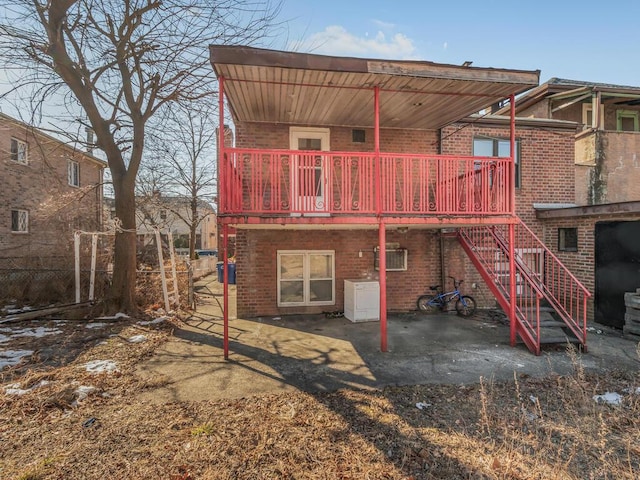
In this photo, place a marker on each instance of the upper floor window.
(163, 214)
(19, 221)
(587, 115)
(73, 173)
(627, 120)
(497, 147)
(18, 151)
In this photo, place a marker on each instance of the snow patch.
(154, 322)
(12, 357)
(610, 398)
(81, 393)
(422, 405)
(114, 317)
(101, 366)
(137, 339)
(95, 325)
(37, 332)
(14, 389)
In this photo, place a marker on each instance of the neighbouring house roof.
(504, 121)
(306, 89)
(40, 133)
(563, 89)
(545, 212)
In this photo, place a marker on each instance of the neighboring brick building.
(48, 190)
(602, 225)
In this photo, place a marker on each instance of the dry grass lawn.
(524, 429)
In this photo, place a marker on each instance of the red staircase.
(543, 284)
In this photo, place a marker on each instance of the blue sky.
(582, 40)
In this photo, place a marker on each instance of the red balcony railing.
(294, 182)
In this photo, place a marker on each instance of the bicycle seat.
(435, 287)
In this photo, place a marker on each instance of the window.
(497, 147)
(627, 120)
(306, 278)
(73, 173)
(568, 239)
(18, 151)
(396, 258)
(163, 214)
(358, 136)
(587, 115)
(19, 221)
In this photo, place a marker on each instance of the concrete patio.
(316, 353)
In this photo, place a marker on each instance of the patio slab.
(316, 353)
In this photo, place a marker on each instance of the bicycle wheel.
(465, 306)
(428, 303)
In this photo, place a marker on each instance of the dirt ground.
(75, 408)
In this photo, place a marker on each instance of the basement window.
(358, 136)
(396, 258)
(568, 239)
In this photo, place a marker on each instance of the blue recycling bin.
(232, 272)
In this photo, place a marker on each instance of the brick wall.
(582, 262)
(546, 163)
(41, 187)
(263, 135)
(257, 265)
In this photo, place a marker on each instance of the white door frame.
(317, 203)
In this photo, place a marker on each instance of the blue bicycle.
(465, 305)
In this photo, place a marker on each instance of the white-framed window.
(306, 277)
(20, 221)
(497, 147)
(587, 115)
(19, 151)
(73, 173)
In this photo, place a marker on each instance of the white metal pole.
(94, 254)
(76, 249)
(172, 253)
(167, 307)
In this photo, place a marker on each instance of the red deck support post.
(382, 263)
(512, 228)
(221, 160)
(225, 290)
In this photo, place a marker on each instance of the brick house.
(48, 190)
(343, 168)
(596, 235)
(173, 213)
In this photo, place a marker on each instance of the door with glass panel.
(309, 170)
(306, 278)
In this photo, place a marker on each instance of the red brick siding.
(546, 159)
(264, 135)
(41, 187)
(257, 265)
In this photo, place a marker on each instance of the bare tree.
(183, 166)
(117, 63)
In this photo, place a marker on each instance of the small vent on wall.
(358, 136)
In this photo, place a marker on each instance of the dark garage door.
(617, 259)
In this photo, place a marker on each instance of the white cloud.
(384, 25)
(336, 40)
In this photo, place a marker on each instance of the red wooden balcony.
(290, 183)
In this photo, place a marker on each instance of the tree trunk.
(123, 288)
